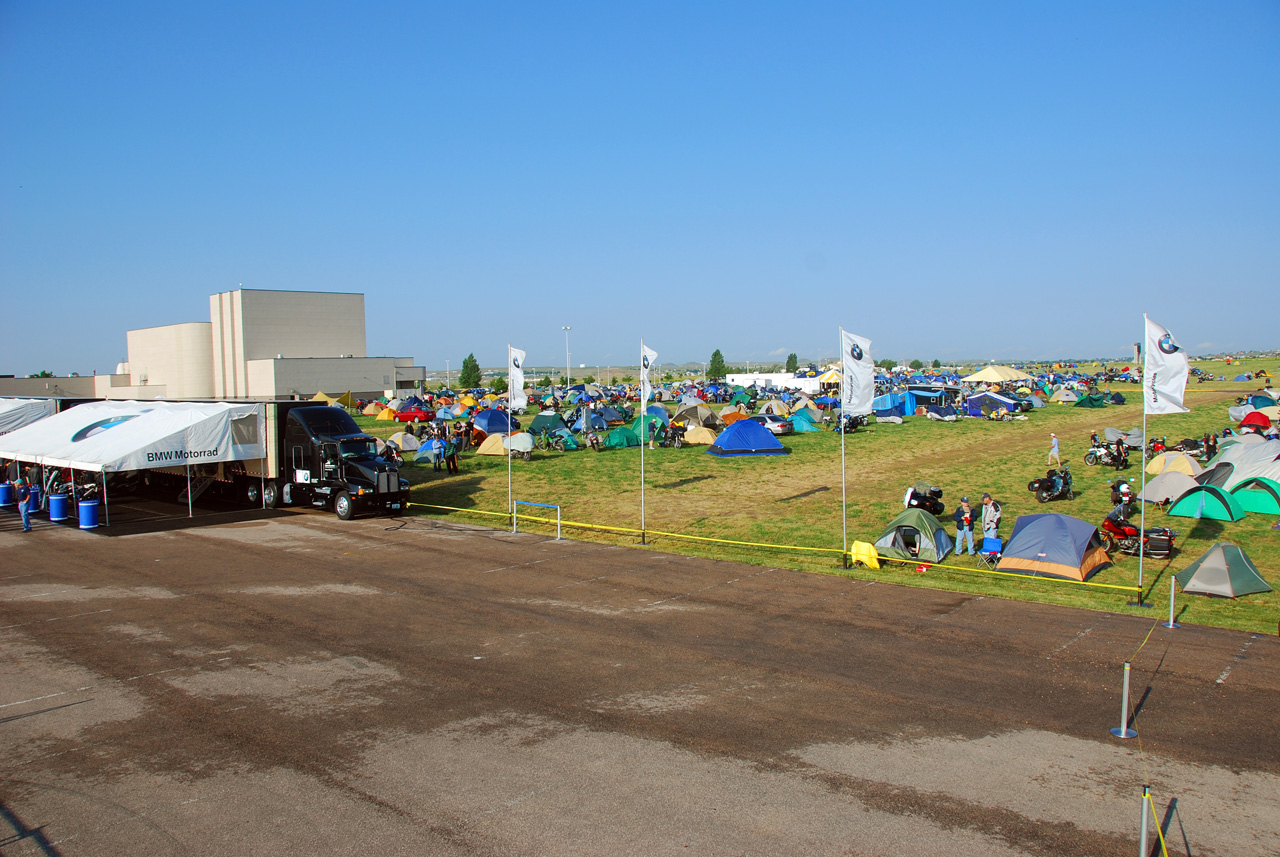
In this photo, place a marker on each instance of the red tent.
(1257, 419)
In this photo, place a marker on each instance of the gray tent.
(1132, 438)
(1224, 570)
(1168, 486)
(915, 535)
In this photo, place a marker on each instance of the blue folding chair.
(989, 555)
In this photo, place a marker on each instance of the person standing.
(963, 517)
(437, 453)
(990, 517)
(24, 503)
(1122, 455)
(1053, 450)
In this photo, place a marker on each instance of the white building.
(257, 345)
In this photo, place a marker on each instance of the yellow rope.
(1011, 574)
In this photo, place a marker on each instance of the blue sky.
(966, 180)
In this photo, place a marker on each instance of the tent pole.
(644, 411)
(190, 513)
(106, 507)
(844, 500)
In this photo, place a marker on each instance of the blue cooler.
(8, 497)
(88, 514)
(58, 507)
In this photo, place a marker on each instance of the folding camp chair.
(989, 555)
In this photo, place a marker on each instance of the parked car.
(774, 423)
(415, 414)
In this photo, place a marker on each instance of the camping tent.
(492, 445)
(1168, 486)
(548, 421)
(1258, 494)
(621, 438)
(386, 414)
(776, 407)
(1223, 570)
(1256, 419)
(16, 413)
(1092, 400)
(1132, 438)
(1207, 501)
(696, 413)
(493, 421)
(746, 437)
(404, 441)
(889, 405)
(1053, 545)
(730, 417)
(698, 435)
(981, 404)
(800, 425)
(997, 375)
(1064, 396)
(1178, 462)
(372, 409)
(593, 419)
(915, 535)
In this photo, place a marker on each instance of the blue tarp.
(890, 405)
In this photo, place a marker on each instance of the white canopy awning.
(116, 436)
(16, 413)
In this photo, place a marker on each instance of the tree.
(715, 368)
(545, 382)
(43, 373)
(469, 377)
(793, 362)
(590, 379)
(667, 376)
(886, 363)
(917, 364)
(500, 385)
(937, 364)
(628, 379)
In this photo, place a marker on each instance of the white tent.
(118, 436)
(997, 374)
(16, 413)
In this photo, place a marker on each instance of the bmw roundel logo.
(644, 361)
(1167, 345)
(856, 351)
(100, 426)
(515, 362)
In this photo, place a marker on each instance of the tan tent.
(372, 409)
(322, 396)
(1176, 462)
(700, 436)
(997, 375)
(695, 413)
(775, 406)
(732, 409)
(492, 446)
(345, 400)
(386, 414)
(404, 441)
(1064, 396)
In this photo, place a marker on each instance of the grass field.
(795, 499)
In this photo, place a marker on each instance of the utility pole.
(566, 330)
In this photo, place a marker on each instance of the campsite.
(794, 499)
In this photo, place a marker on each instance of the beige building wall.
(75, 387)
(177, 357)
(270, 379)
(251, 324)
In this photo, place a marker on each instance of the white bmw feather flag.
(858, 376)
(1164, 371)
(515, 379)
(648, 359)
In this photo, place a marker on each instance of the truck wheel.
(271, 494)
(253, 494)
(342, 506)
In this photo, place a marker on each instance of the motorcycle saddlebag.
(1159, 541)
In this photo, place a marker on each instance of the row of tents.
(1063, 547)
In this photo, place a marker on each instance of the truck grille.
(388, 482)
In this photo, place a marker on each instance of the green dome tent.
(915, 535)
(1093, 400)
(1258, 494)
(1224, 570)
(1207, 501)
(621, 438)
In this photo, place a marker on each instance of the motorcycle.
(673, 436)
(1055, 485)
(594, 441)
(547, 440)
(1120, 535)
(1100, 453)
(930, 500)
(852, 423)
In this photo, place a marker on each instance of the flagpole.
(844, 501)
(644, 411)
(511, 505)
(1142, 512)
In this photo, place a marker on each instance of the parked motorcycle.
(852, 423)
(927, 497)
(594, 441)
(673, 436)
(1055, 485)
(1101, 453)
(547, 440)
(1122, 536)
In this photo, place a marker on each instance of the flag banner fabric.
(648, 359)
(515, 379)
(1164, 372)
(858, 384)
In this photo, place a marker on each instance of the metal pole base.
(1145, 605)
(1124, 733)
(1170, 625)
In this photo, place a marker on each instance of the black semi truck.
(318, 456)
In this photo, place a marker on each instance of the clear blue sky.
(1015, 180)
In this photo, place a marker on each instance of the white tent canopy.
(997, 374)
(117, 436)
(16, 413)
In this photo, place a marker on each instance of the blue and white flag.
(858, 374)
(1164, 372)
(648, 359)
(516, 397)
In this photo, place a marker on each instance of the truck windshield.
(358, 449)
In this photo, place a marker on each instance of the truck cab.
(326, 460)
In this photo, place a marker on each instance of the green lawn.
(795, 499)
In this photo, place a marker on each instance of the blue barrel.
(58, 507)
(34, 505)
(7, 495)
(88, 514)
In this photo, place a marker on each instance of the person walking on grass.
(1053, 450)
(964, 516)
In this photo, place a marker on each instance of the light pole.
(446, 374)
(566, 330)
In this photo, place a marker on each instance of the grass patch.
(795, 499)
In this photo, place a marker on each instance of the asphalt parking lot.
(294, 684)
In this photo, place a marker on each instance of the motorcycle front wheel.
(1044, 496)
(1091, 458)
(1108, 543)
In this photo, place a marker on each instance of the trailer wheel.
(253, 494)
(342, 506)
(271, 494)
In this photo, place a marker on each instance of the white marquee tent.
(16, 413)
